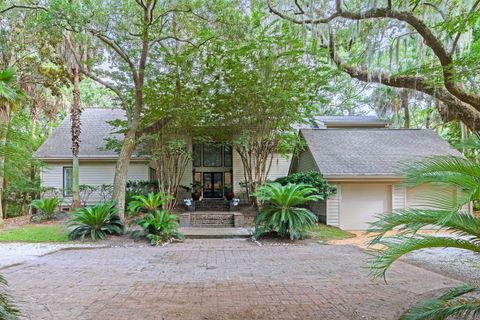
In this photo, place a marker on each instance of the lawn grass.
(325, 233)
(35, 233)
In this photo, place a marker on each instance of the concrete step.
(212, 219)
(215, 233)
(217, 220)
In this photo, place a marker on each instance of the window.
(152, 175)
(197, 155)
(212, 155)
(227, 156)
(67, 181)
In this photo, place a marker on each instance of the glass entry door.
(212, 185)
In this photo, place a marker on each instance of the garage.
(360, 203)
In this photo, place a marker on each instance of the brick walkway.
(215, 279)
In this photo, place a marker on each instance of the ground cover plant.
(97, 222)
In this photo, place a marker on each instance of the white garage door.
(361, 202)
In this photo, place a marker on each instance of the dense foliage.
(149, 203)
(97, 221)
(159, 227)
(445, 213)
(312, 178)
(281, 211)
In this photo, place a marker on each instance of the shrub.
(312, 178)
(280, 211)
(149, 203)
(46, 207)
(159, 226)
(96, 221)
(139, 187)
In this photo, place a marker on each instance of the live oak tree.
(431, 47)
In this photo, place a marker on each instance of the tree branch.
(456, 109)
(429, 38)
(19, 6)
(119, 50)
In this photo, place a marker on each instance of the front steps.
(211, 219)
(216, 233)
(212, 205)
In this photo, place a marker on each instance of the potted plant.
(195, 188)
(228, 190)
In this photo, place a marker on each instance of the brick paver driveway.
(215, 279)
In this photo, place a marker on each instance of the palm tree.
(445, 214)
(10, 95)
(73, 56)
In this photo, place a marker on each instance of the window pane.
(197, 155)
(67, 181)
(212, 155)
(227, 177)
(227, 155)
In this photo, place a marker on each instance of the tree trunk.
(121, 170)
(404, 106)
(75, 117)
(4, 123)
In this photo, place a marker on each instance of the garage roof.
(371, 152)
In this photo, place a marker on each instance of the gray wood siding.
(333, 208)
(91, 173)
(398, 197)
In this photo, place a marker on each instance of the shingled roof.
(350, 121)
(95, 130)
(371, 152)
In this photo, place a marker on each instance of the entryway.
(213, 185)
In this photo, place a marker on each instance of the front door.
(212, 185)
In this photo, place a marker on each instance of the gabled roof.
(94, 131)
(371, 152)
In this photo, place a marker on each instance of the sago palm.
(46, 206)
(445, 213)
(97, 221)
(280, 211)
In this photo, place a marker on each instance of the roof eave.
(358, 177)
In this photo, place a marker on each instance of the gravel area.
(16, 253)
(456, 263)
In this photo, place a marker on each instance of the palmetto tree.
(445, 214)
(281, 211)
(10, 96)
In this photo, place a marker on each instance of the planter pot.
(196, 195)
(229, 195)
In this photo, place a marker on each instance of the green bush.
(46, 207)
(159, 226)
(139, 187)
(97, 221)
(280, 212)
(149, 203)
(312, 178)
